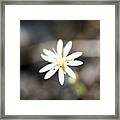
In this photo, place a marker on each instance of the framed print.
(59, 59)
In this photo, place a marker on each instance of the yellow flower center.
(62, 64)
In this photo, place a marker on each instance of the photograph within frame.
(38, 36)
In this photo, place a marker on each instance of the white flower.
(60, 61)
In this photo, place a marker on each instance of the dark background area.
(35, 35)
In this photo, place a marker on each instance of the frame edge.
(2, 62)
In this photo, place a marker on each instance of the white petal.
(59, 47)
(54, 51)
(74, 63)
(46, 68)
(74, 55)
(51, 73)
(61, 76)
(49, 59)
(67, 48)
(49, 53)
(70, 72)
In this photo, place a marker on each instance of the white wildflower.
(60, 61)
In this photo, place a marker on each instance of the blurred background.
(35, 35)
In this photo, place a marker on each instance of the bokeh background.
(35, 35)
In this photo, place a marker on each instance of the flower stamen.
(62, 64)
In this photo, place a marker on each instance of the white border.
(13, 15)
